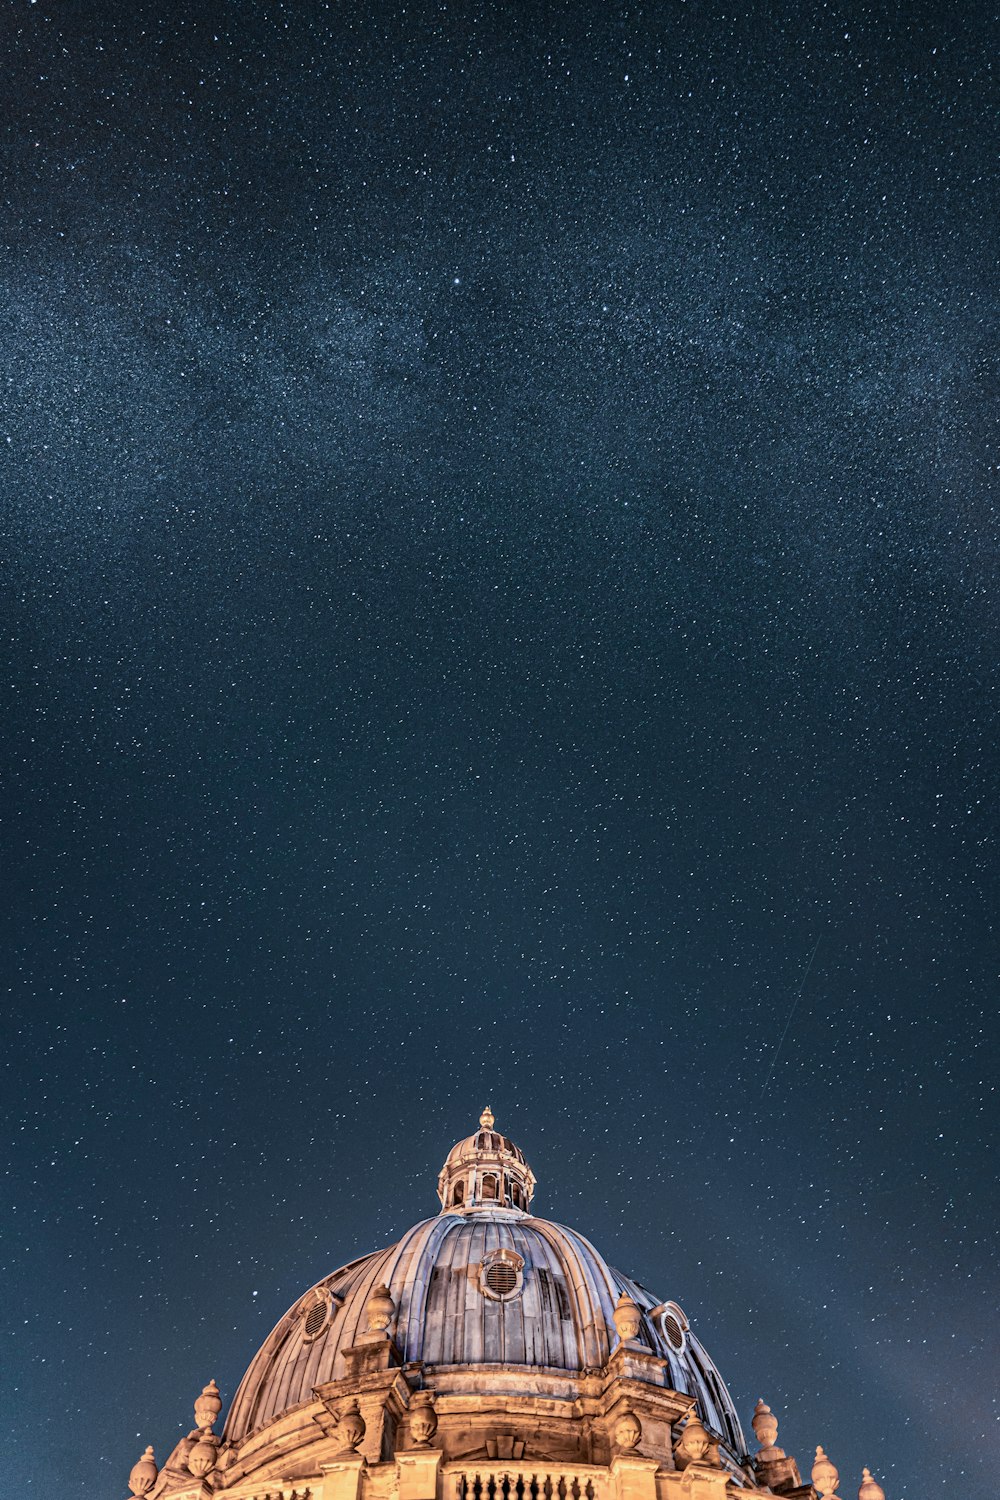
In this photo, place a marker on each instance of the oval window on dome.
(674, 1332)
(673, 1323)
(500, 1275)
(317, 1313)
(501, 1278)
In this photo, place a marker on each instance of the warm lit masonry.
(487, 1355)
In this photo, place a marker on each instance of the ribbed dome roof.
(490, 1287)
(481, 1142)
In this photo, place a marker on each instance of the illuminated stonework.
(487, 1355)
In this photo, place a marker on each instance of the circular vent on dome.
(674, 1332)
(500, 1275)
(316, 1318)
(501, 1278)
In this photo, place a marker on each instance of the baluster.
(561, 1487)
(547, 1488)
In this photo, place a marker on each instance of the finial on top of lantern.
(627, 1316)
(870, 1488)
(825, 1477)
(144, 1473)
(207, 1407)
(379, 1309)
(486, 1118)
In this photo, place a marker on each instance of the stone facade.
(487, 1355)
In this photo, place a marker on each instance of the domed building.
(487, 1355)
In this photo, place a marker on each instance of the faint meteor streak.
(791, 1013)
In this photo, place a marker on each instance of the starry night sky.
(500, 606)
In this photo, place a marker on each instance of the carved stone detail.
(628, 1318)
(144, 1474)
(350, 1428)
(423, 1418)
(627, 1430)
(825, 1477)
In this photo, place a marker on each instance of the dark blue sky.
(500, 562)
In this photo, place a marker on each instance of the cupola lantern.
(485, 1171)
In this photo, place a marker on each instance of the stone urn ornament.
(694, 1443)
(379, 1309)
(351, 1427)
(765, 1426)
(423, 1418)
(825, 1477)
(201, 1459)
(628, 1317)
(144, 1474)
(627, 1430)
(207, 1407)
(870, 1488)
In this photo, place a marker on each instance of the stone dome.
(487, 1355)
(483, 1287)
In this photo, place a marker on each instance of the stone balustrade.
(527, 1481)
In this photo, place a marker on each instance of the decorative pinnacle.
(765, 1426)
(870, 1488)
(207, 1407)
(824, 1475)
(379, 1309)
(486, 1118)
(144, 1474)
